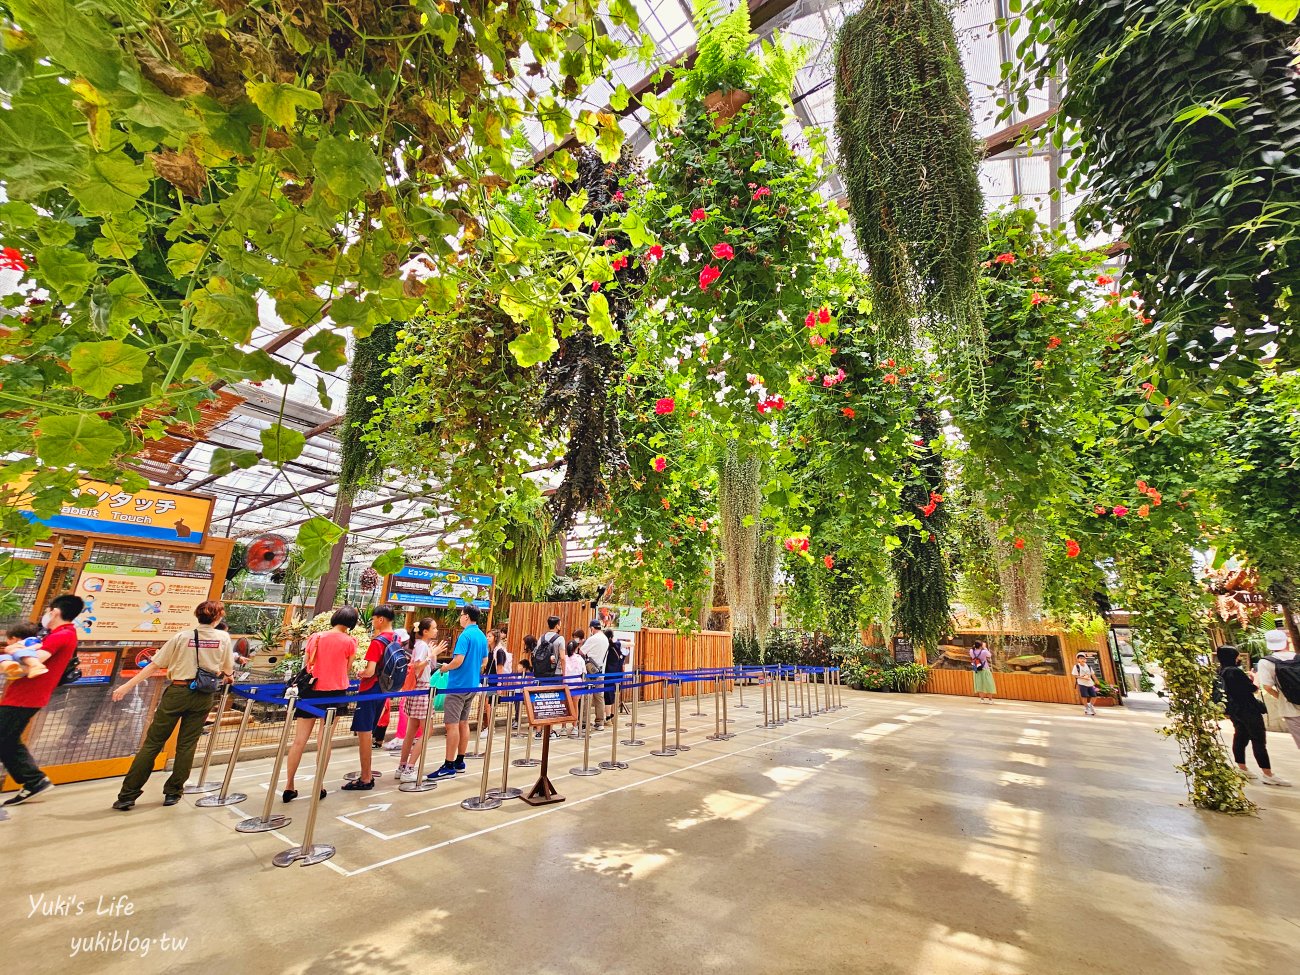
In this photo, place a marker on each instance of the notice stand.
(547, 706)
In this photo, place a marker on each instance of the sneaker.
(1246, 774)
(408, 774)
(393, 746)
(26, 792)
(460, 767)
(445, 772)
(122, 805)
(1274, 780)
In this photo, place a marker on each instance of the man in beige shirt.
(202, 647)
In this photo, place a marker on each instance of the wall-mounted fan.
(267, 553)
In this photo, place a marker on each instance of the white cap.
(402, 634)
(1275, 640)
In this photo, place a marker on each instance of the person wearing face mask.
(23, 698)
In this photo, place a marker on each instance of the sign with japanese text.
(96, 666)
(151, 514)
(125, 602)
(418, 585)
(549, 705)
(627, 618)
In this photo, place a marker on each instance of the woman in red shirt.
(328, 657)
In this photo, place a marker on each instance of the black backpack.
(393, 664)
(544, 659)
(1288, 677)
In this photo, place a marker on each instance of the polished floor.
(902, 835)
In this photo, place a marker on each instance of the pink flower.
(618, 196)
(618, 263)
(816, 340)
(660, 463)
(698, 214)
(761, 192)
(708, 274)
(824, 315)
(655, 253)
(1119, 511)
(609, 241)
(723, 252)
(811, 320)
(595, 286)
(665, 406)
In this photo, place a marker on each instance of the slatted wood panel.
(531, 618)
(670, 650)
(1045, 688)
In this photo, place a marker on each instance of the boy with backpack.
(1279, 676)
(386, 665)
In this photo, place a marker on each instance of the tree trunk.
(740, 497)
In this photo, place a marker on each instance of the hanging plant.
(921, 609)
(525, 553)
(368, 385)
(909, 160)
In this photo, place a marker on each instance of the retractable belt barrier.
(509, 689)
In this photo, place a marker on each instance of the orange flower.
(1143, 510)
(666, 503)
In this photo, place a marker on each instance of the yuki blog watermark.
(118, 941)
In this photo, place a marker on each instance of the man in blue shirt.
(462, 674)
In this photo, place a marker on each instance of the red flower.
(665, 406)
(919, 442)
(1104, 279)
(655, 253)
(618, 263)
(824, 315)
(618, 196)
(889, 364)
(848, 411)
(1119, 511)
(771, 403)
(789, 544)
(708, 274)
(609, 241)
(811, 320)
(936, 497)
(1071, 548)
(1019, 543)
(1155, 496)
(1142, 487)
(1037, 298)
(666, 503)
(803, 545)
(723, 252)
(668, 584)
(11, 259)
(1005, 259)
(660, 463)
(1053, 343)
(927, 509)
(890, 378)
(828, 561)
(698, 214)
(761, 192)
(816, 340)
(595, 286)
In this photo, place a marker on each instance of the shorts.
(366, 717)
(315, 692)
(416, 706)
(456, 708)
(1087, 691)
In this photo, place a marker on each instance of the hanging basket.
(723, 106)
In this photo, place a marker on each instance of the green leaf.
(66, 271)
(354, 87)
(99, 367)
(326, 401)
(183, 258)
(347, 167)
(598, 318)
(72, 38)
(281, 444)
(280, 102)
(315, 540)
(224, 460)
(619, 100)
(224, 310)
(330, 349)
(536, 345)
(112, 182)
(82, 441)
(1286, 10)
(392, 561)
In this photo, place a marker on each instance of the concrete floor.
(923, 835)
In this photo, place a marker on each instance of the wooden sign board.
(904, 650)
(549, 705)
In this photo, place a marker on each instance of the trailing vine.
(909, 159)
(922, 610)
(368, 388)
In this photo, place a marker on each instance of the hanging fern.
(909, 159)
(367, 388)
(921, 610)
(525, 561)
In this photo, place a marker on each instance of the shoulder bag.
(305, 681)
(205, 681)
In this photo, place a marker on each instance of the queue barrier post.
(776, 698)
(308, 852)
(506, 790)
(805, 697)
(677, 718)
(203, 785)
(717, 714)
(818, 695)
(740, 688)
(839, 689)
(269, 820)
(528, 761)
(764, 686)
(483, 800)
(224, 796)
(477, 734)
(723, 696)
(699, 708)
(587, 768)
(614, 764)
(789, 675)
(634, 741)
(664, 751)
(421, 784)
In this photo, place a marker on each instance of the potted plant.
(1107, 695)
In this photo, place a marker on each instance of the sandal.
(357, 785)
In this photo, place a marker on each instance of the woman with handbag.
(981, 664)
(326, 672)
(197, 662)
(1246, 712)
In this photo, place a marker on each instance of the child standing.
(1086, 681)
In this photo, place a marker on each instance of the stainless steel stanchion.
(309, 852)
(764, 686)
(699, 710)
(225, 797)
(505, 790)
(839, 688)
(634, 741)
(806, 697)
(740, 687)
(587, 768)
(477, 734)
(664, 751)
(613, 764)
(268, 820)
(421, 784)
(725, 733)
(817, 706)
(717, 714)
(788, 675)
(528, 761)
(776, 698)
(677, 719)
(483, 800)
(203, 785)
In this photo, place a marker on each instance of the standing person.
(416, 708)
(499, 662)
(1279, 678)
(547, 660)
(462, 676)
(1085, 680)
(23, 698)
(1246, 712)
(186, 702)
(365, 719)
(595, 651)
(328, 658)
(574, 670)
(981, 662)
(613, 666)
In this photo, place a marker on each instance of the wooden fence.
(1047, 688)
(531, 618)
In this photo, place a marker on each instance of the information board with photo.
(134, 603)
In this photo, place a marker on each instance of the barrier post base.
(421, 785)
(259, 825)
(228, 800)
(664, 753)
(487, 802)
(374, 774)
(509, 793)
(612, 766)
(316, 853)
(198, 787)
(590, 770)
(632, 742)
(525, 763)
